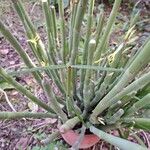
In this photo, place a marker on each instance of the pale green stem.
(86, 44)
(28, 30)
(69, 124)
(116, 116)
(76, 31)
(20, 115)
(49, 26)
(128, 76)
(53, 101)
(113, 59)
(76, 38)
(54, 21)
(141, 123)
(23, 90)
(133, 87)
(107, 31)
(53, 74)
(138, 105)
(24, 17)
(63, 35)
(72, 22)
(20, 51)
(99, 27)
(88, 74)
(69, 100)
(135, 19)
(119, 142)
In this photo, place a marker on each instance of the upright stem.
(76, 31)
(72, 23)
(99, 26)
(86, 88)
(63, 35)
(128, 76)
(49, 29)
(76, 37)
(86, 44)
(108, 28)
(69, 101)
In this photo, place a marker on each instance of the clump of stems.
(97, 85)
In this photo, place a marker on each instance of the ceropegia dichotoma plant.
(101, 88)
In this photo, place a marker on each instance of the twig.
(8, 101)
(147, 139)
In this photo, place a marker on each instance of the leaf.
(4, 51)
(33, 107)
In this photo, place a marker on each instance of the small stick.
(8, 101)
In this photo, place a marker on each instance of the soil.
(26, 133)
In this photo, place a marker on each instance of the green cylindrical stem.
(86, 44)
(135, 18)
(20, 51)
(50, 32)
(28, 30)
(113, 59)
(55, 31)
(99, 26)
(115, 117)
(76, 31)
(138, 105)
(109, 25)
(53, 11)
(53, 101)
(91, 49)
(63, 35)
(128, 76)
(40, 49)
(72, 23)
(69, 124)
(23, 90)
(135, 54)
(119, 142)
(135, 86)
(76, 38)
(20, 115)
(51, 40)
(141, 123)
(69, 100)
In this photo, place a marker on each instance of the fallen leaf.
(33, 107)
(50, 120)
(4, 51)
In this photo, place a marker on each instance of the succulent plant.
(100, 88)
